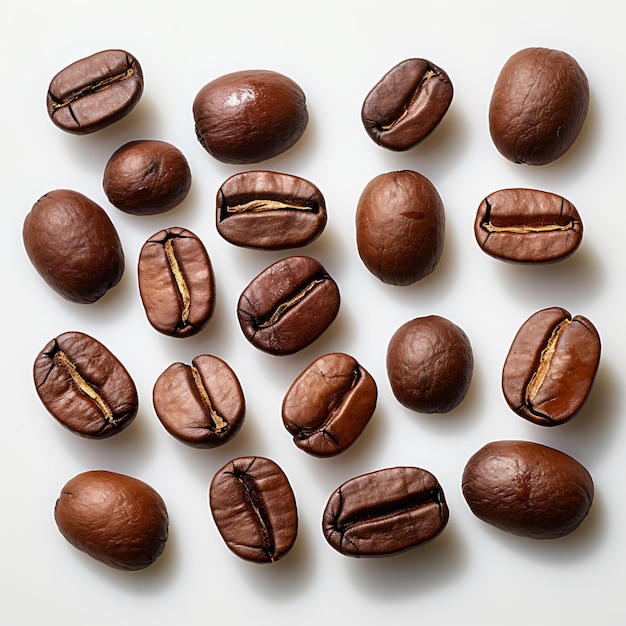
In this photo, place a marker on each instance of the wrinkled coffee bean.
(84, 386)
(201, 404)
(288, 305)
(95, 92)
(551, 366)
(527, 489)
(407, 104)
(400, 227)
(116, 519)
(385, 512)
(254, 509)
(329, 404)
(527, 226)
(538, 106)
(269, 210)
(176, 282)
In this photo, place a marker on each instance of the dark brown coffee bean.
(84, 386)
(385, 512)
(527, 226)
(254, 509)
(288, 305)
(176, 282)
(116, 519)
(73, 245)
(551, 366)
(538, 106)
(201, 404)
(527, 489)
(407, 104)
(249, 116)
(146, 177)
(329, 404)
(400, 227)
(95, 92)
(269, 210)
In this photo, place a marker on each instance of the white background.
(336, 51)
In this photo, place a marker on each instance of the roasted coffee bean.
(73, 245)
(385, 512)
(269, 210)
(527, 489)
(551, 366)
(254, 509)
(116, 519)
(538, 106)
(146, 177)
(400, 227)
(201, 404)
(407, 104)
(249, 116)
(176, 282)
(84, 386)
(288, 305)
(95, 92)
(329, 404)
(430, 364)
(527, 226)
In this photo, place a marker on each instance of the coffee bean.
(527, 489)
(176, 282)
(84, 386)
(288, 305)
(329, 404)
(254, 509)
(95, 92)
(269, 210)
(551, 366)
(385, 512)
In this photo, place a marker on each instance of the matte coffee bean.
(527, 226)
(269, 210)
(254, 509)
(95, 92)
(538, 106)
(116, 519)
(407, 104)
(551, 366)
(84, 386)
(288, 305)
(400, 227)
(527, 489)
(329, 404)
(202, 404)
(385, 512)
(73, 245)
(176, 282)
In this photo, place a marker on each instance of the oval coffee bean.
(116, 519)
(551, 366)
(385, 512)
(407, 104)
(94, 92)
(527, 226)
(201, 404)
(527, 489)
(538, 106)
(329, 404)
(269, 210)
(176, 282)
(254, 509)
(73, 245)
(84, 386)
(288, 305)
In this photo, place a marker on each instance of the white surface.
(472, 574)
